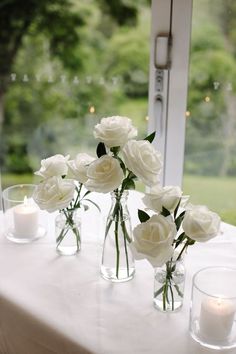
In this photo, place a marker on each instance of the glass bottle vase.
(68, 232)
(169, 286)
(117, 259)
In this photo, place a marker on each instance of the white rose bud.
(143, 160)
(53, 166)
(167, 197)
(153, 240)
(200, 224)
(79, 166)
(54, 193)
(115, 131)
(104, 175)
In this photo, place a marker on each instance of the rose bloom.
(200, 224)
(53, 166)
(115, 131)
(153, 240)
(79, 166)
(143, 160)
(167, 197)
(54, 193)
(104, 175)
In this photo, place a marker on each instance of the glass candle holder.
(213, 308)
(22, 216)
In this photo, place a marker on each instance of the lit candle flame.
(26, 202)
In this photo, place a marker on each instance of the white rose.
(153, 240)
(115, 131)
(200, 224)
(143, 160)
(104, 175)
(53, 166)
(54, 193)
(79, 166)
(167, 197)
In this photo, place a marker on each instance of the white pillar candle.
(216, 318)
(25, 220)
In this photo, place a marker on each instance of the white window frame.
(171, 18)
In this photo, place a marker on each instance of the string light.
(187, 114)
(147, 118)
(92, 109)
(207, 99)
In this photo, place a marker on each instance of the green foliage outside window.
(65, 64)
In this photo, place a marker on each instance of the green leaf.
(101, 150)
(132, 175)
(150, 137)
(143, 216)
(165, 212)
(128, 184)
(179, 220)
(176, 209)
(190, 241)
(180, 239)
(115, 150)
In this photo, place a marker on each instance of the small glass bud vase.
(117, 259)
(68, 233)
(169, 286)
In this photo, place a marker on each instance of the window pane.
(210, 150)
(64, 66)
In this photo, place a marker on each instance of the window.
(172, 19)
(63, 79)
(204, 102)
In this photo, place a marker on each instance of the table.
(60, 304)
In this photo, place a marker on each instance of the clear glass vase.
(169, 286)
(68, 232)
(117, 259)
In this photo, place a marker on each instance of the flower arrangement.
(163, 237)
(121, 160)
(59, 191)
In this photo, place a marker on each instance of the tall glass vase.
(68, 232)
(117, 259)
(169, 286)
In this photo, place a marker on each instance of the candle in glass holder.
(25, 219)
(216, 318)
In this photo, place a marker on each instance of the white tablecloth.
(60, 304)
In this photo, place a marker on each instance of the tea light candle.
(216, 318)
(25, 219)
